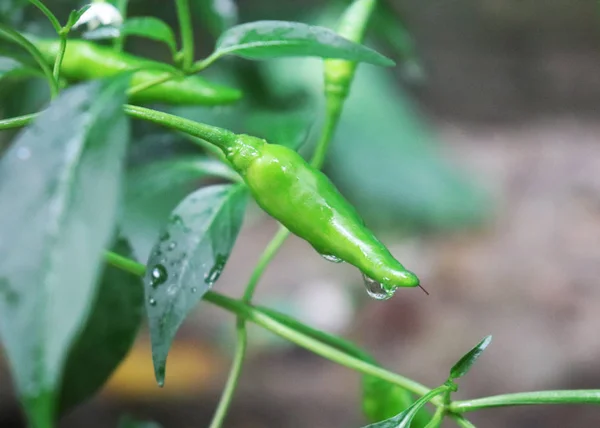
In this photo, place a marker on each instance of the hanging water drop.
(158, 275)
(376, 290)
(331, 258)
(152, 301)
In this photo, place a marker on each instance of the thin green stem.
(187, 33)
(591, 396)
(124, 263)
(122, 7)
(437, 419)
(202, 64)
(35, 53)
(334, 111)
(51, 17)
(461, 421)
(17, 122)
(219, 137)
(234, 375)
(61, 54)
(150, 83)
(265, 259)
(258, 317)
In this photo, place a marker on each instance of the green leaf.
(10, 67)
(290, 129)
(108, 335)
(151, 28)
(466, 362)
(60, 182)
(187, 260)
(155, 189)
(274, 39)
(380, 399)
(217, 15)
(405, 418)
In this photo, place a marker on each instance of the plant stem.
(234, 375)
(122, 7)
(461, 421)
(187, 33)
(51, 17)
(265, 259)
(334, 110)
(61, 54)
(258, 317)
(591, 396)
(220, 137)
(437, 419)
(17, 122)
(124, 263)
(35, 53)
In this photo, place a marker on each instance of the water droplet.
(331, 258)
(194, 289)
(158, 275)
(376, 290)
(158, 253)
(172, 246)
(211, 277)
(160, 374)
(152, 301)
(165, 236)
(177, 220)
(23, 153)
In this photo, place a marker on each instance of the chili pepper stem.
(187, 34)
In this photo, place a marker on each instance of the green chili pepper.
(304, 200)
(84, 61)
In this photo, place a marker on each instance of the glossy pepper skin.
(85, 61)
(305, 201)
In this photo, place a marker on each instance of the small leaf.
(273, 39)
(217, 15)
(466, 362)
(151, 28)
(155, 189)
(405, 418)
(187, 260)
(60, 182)
(108, 334)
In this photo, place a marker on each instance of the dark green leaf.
(466, 362)
(273, 39)
(108, 335)
(151, 28)
(381, 399)
(153, 190)
(60, 183)
(405, 418)
(217, 15)
(187, 260)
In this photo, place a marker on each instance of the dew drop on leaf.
(158, 275)
(172, 246)
(211, 277)
(193, 289)
(331, 258)
(165, 236)
(152, 301)
(376, 290)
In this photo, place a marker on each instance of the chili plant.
(72, 295)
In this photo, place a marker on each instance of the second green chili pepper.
(305, 201)
(84, 61)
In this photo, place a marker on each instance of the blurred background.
(476, 160)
